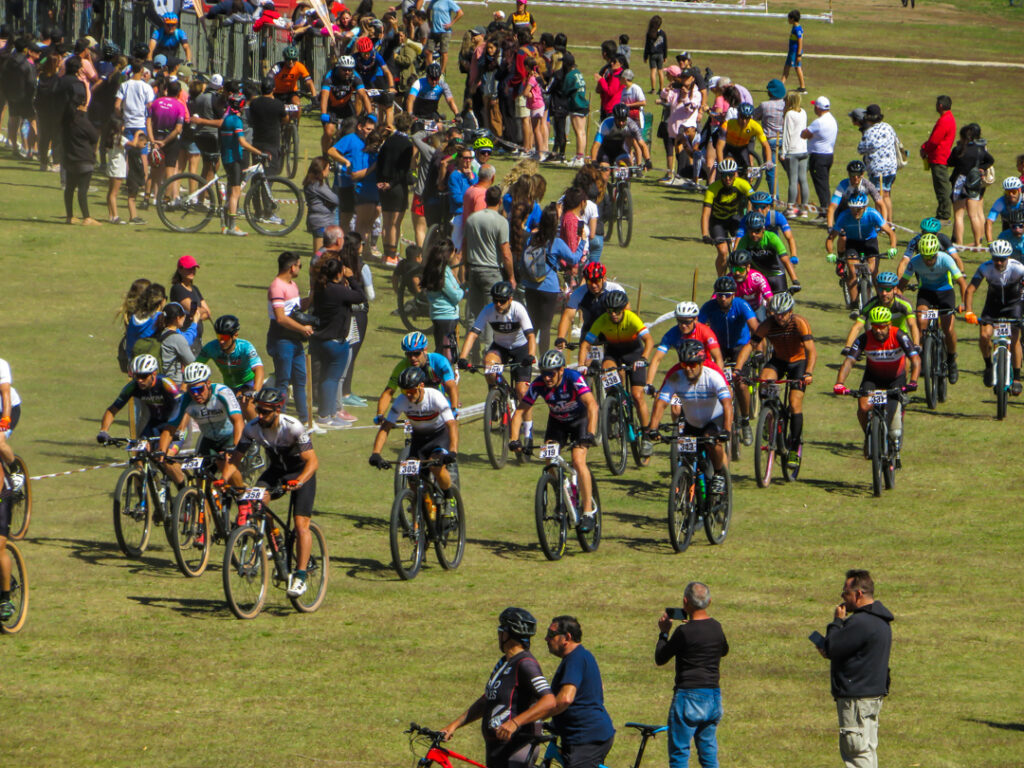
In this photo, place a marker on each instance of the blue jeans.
(694, 715)
(333, 356)
(770, 173)
(290, 368)
(596, 246)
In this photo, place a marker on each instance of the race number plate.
(595, 354)
(620, 174)
(675, 400)
(371, 92)
(291, 107)
(728, 374)
(688, 444)
(494, 370)
(610, 379)
(253, 494)
(409, 467)
(930, 314)
(879, 397)
(194, 463)
(549, 451)
(408, 427)
(431, 126)
(1002, 329)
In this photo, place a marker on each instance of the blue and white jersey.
(937, 277)
(1016, 240)
(864, 228)
(702, 399)
(422, 89)
(1002, 207)
(214, 417)
(773, 222)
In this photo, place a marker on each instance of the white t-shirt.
(701, 400)
(632, 94)
(5, 378)
(823, 135)
(510, 327)
(428, 415)
(135, 96)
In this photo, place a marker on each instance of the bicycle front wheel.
(552, 526)
(290, 151)
(624, 216)
(413, 309)
(274, 205)
(133, 514)
(613, 434)
(189, 536)
(716, 521)
(316, 571)
(496, 428)
(191, 211)
(21, 500)
(764, 445)
(928, 371)
(591, 540)
(754, 177)
(1001, 371)
(408, 535)
(863, 289)
(450, 532)
(877, 455)
(19, 591)
(245, 573)
(682, 508)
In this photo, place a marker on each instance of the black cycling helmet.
(267, 85)
(755, 222)
(614, 300)
(269, 397)
(739, 259)
(691, 351)
(620, 111)
(226, 325)
(725, 284)
(110, 49)
(502, 290)
(856, 166)
(518, 622)
(433, 71)
(745, 110)
(411, 377)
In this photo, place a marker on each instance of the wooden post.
(639, 295)
(131, 418)
(693, 295)
(309, 389)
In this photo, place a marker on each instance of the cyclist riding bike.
(724, 204)
(1003, 300)
(374, 72)
(853, 184)
(886, 349)
(706, 402)
(1014, 234)
(425, 95)
(686, 327)
(9, 483)
(156, 396)
(768, 253)
(751, 285)
(627, 342)
(774, 222)
(342, 95)
(739, 132)
(901, 310)
(857, 232)
(587, 300)
(793, 357)
(434, 429)
(936, 272)
(572, 418)
(1004, 206)
(290, 76)
(933, 226)
(10, 414)
(733, 321)
(619, 140)
(514, 338)
(237, 360)
(291, 464)
(436, 368)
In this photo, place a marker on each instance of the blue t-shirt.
(349, 146)
(794, 37)
(458, 183)
(585, 721)
(773, 222)
(441, 12)
(730, 327)
(936, 277)
(366, 187)
(864, 228)
(169, 40)
(230, 131)
(1017, 241)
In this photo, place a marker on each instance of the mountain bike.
(199, 502)
(691, 500)
(435, 754)
(552, 756)
(501, 402)
(290, 140)
(883, 448)
(865, 283)
(21, 497)
(19, 591)
(265, 537)
(421, 512)
(273, 205)
(771, 437)
(1002, 367)
(141, 497)
(622, 197)
(934, 363)
(556, 505)
(620, 426)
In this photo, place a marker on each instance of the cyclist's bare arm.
(584, 353)
(855, 331)
(453, 435)
(565, 322)
(652, 367)
(451, 388)
(382, 436)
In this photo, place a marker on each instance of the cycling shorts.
(521, 372)
(637, 376)
(209, 146)
(777, 283)
(868, 247)
(712, 428)
(423, 445)
(994, 309)
(788, 370)
(234, 173)
(565, 432)
(5, 512)
(722, 230)
(303, 498)
(936, 299)
(211, 446)
(740, 154)
(872, 381)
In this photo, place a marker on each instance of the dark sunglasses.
(550, 635)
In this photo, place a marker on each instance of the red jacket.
(936, 150)
(610, 88)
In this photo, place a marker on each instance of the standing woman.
(538, 110)
(683, 100)
(444, 295)
(878, 146)
(364, 174)
(597, 209)
(969, 161)
(793, 154)
(321, 200)
(393, 166)
(358, 326)
(129, 307)
(185, 291)
(48, 111)
(574, 91)
(79, 158)
(655, 48)
(426, 201)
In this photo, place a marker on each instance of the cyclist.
(156, 396)
(232, 142)
(774, 221)
(585, 299)
(290, 76)
(436, 368)
(165, 41)
(739, 132)
(1003, 301)
(627, 342)
(725, 201)
(706, 402)
(751, 285)
(768, 253)
(793, 357)
(687, 327)
(7, 608)
(9, 484)
(936, 272)
(619, 139)
(434, 429)
(1006, 204)
(901, 310)
(514, 339)
(237, 360)
(572, 418)
(733, 321)
(10, 414)
(1014, 234)
(425, 95)
(376, 75)
(886, 349)
(853, 184)
(342, 94)
(857, 232)
(934, 226)
(291, 465)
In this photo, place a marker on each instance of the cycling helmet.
(226, 325)
(236, 102)
(728, 166)
(414, 342)
(170, 18)
(858, 201)
(888, 280)
(502, 290)
(1000, 249)
(346, 62)
(780, 303)
(691, 351)
(196, 373)
(725, 284)
(620, 112)
(411, 377)
(686, 310)
(269, 397)
(143, 365)
(552, 360)
(1017, 217)
(880, 315)
(111, 49)
(855, 167)
(739, 259)
(615, 300)
(483, 143)
(761, 198)
(1012, 182)
(291, 53)
(928, 245)
(595, 270)
(433, 71)
(518, 622)
(932, 225)
(364, 45)
(745, 110)
(755, 222)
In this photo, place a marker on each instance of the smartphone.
(817, 638)
(676, 614)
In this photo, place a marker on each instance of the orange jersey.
(287, 78)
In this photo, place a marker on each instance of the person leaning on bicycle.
(886, 349)
(619, 139)
(857, 232)
(291, 465)
(232, 142)
(1003, 301)
(572, 419)
(436, 369)
(706, 401)
(238, 361)
(434, 429)
(514, 337)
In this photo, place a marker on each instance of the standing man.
(488, 255)
(286, 336)
(579, 718)
(857, 642)
(821, 144)
(698, 646)
(441, 22)
(936, 151)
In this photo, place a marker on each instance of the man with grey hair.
(698, 646)
(473, 200)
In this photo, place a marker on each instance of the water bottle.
(574, 491)
(701, 486)
(278, 539)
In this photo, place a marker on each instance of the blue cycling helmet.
(932, 225)
(414, 342)
(858, 201)
(888, 280)
(755, 222)
(745, 110)
(761, 198)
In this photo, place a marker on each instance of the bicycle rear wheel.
(496, 427)
(1001, 371)
(273, 205)
(21, 500)
(764, 445)
(407, 534)
(450, 532)
(613, 434)
(133, 513)
(735, 439)
(931, 389)
(716, 521)
(624, 215)
(413, 309)
(316, 571)
(876, 450)
(550, 518)
(192, 210)
(682, 508)
(19, 592)
(189, 536)
(889, 464)
(245, 573)
(591, 540)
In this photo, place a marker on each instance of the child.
(538, 112)
(796, 50)
(135, 173)
(624, 49)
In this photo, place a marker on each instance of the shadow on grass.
(364, 568)
(1001, 726)
(678, 238)
(193, 608)
(107, 553)
(508, 549)
(363, 522)
(646, 490)
(848, 450)
(821, 306)
(919, 406)
(839, 487)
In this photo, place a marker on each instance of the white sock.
(528, 430)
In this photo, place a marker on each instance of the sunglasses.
(225, 336)
(142, 376)
(264, 412)
(550, 635)
(197, 390)
(483, 151)
(548, 374)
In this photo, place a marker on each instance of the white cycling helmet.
(196, 373)
(143, 365)
(686, 310)
(1000, 249)
(781, 303)
(1012, 182)
(346, 62)
(728, 166)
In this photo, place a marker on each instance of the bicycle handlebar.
(421, 731)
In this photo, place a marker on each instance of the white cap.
(217, 81)
(822, 102)
(713, 82)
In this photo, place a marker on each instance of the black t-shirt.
(698, 647)
(265, 115)
(514, 686)
(178, 293)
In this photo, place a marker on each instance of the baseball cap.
(91, 41)
(217, 81)
(478, 31)
(673, 71)
(160, 60)
(856, 114)
(187, 262)
(627, 74)
(714, 81)
(822, 102)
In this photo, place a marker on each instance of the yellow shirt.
(623, 333)
(735, 136)
(728, 202)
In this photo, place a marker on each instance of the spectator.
(444, 294)
(634, 99)
(80, 137)
(321, 200)
(350, 257)
(574, 91)
(460, 180)
(487, 255)
(538, 111)
(441, 23)
(571, 225)
(793, 155)
(698, 646)
(393, 166)
(141, 323)
(597, 208)
(821, 144)
(682, 108)
(655, 49)
(348, 151)
(19, 87)
(857, 643)
(286, 336)
(132, 103)
(175, 345)
(49, 112)
(970, 160)
(878, 146)
(610, 84)
(936, 151)
(130, 306)
(165, 121)
(337, 289)
(364, 173)
(266, 116)
(623, 50)
(185, 291)
(579, 718)
(473, 200)
(521, 18)
(769, 115)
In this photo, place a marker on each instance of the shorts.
(233, 171)
(539, 113)
(884, 183)
(15, 418)
(423, 445)
(522, 111)
(579, 113)
(346, 199)
(791, 59)
(302, 499)
(209, 446)
(23, 109)
(867, 247)
(936, 299)
(777, 282)
(712, 428)
(117, 161)
(417, 206)
(5, 510)
(193, 149)
(395, 199)
(996, 310)
(209, 147)
(171, 151)
(522, 372)
(872, 382)
(135, 178)
(786, 369)
(637, 375)
(440, 41)
(565, 432)
(656, 61)
(457, 222)
(723, 229)
(583, 755)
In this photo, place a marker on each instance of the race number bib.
(549, 451)
(620, 174)
(1001, 329)
(494, 370)
(930, 314)
(879, 397)
(409, 467)
(408, 427)
(252, 494)
(194, 463)
(610, 379)
(770, 390)
(688, 444)
(675, 401)
(728, 374)
(595, 354)
(291, 108)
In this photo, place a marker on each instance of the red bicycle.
(436, 754)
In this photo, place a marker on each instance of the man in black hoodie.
(857, 642)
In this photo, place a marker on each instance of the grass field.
(126, 663)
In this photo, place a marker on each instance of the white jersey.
(701, 400)
(283, 443)
(213, 418)
(428, 415)
(510, 327)
(5, 378)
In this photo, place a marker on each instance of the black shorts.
(637, 375)
(874, 381)
(210, 447)
(995, 309)
(936, 299)
(584, 755)
(395, 199)
(5, 510)
(787, 370)
(209, 147)
(565, 432)
(521, 372)
(723, 229)
(233, 171)
(868, 247)
(171, 151)
(424, 444)
(712, 428)
(346, 199)
(740, 154)
(777, 283)
(15, 417)
(135, 178)
(276, 475)
(656, 61)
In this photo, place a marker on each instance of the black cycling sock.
(796, 429)
(988, 362)
(1016, 373)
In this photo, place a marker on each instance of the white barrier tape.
(674, 7)
(81, 469)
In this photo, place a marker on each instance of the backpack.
(152, 345)
(535, 263)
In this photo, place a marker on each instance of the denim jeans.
(290, 368)
(694, 715)
(596, 247)
(770, 173)
(333, 357)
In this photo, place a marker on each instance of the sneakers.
(586, 523)
(986, 377)
(953, 373)
(353, 401)
(235, 231)
(316, 429)
(718, 484)
(793, 460)
(331, 422)
(7, 610)
(297, 584)
(344, 415)
(1015, 388)
(391, 262)
(646, 448)
(136, 220)
(276, 220)
(117, 220)
(748, 433)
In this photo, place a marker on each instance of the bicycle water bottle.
(278, 539)
(574, 490)
(701, 485)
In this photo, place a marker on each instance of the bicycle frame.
(259, 518)
(560, 467)
(436, 754)
(200, 472)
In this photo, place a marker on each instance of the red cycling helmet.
(364, 44)
(595, 270)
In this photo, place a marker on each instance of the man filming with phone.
(698, 646)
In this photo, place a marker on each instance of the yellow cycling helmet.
(928, 245)
(880, 316)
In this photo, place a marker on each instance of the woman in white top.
(793, 154)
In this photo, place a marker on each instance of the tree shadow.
(837, 448)
(1001, 726)
(364, 568)
(108, 553)
(192, 608)
(363, 522)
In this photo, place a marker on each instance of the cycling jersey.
(843, 192)
(887, 359)
(340, 92)
(372, 69)
(1003, 287)
(283, 443)
(901, 309)
(730, 328)
(157, 403)
(773, 222)
(430, 414)
(765, 252)
(864, 228)
(437, 368)
(623, 335)
(727, 202)
(754, 289)
(5, 378)
(787, 341)
(945, 244)
(1001, 207)
(510, 327)
(288, 76)
(740, 136)
(236, 366)
(613, 139)
(1017, 241)
(426, 97)
(674, 337)
(564, 401)
(938, 276)
(213, 418)
(701, 400)
(589, 303)
(514, 686)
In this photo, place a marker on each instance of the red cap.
(187, 262)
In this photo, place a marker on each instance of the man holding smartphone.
(698, 646)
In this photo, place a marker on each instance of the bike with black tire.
(499, 405)
(691, 501)
(771, 437)
(622, 202)
(290, 141)
(197, 504)
(141, 497)
(18, 592)
(619, 422)
(883, 449)
(1002, 362)
(557, 505)
(934, 363)
(865, 283)
(21, 497)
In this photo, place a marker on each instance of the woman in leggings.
(80, 138)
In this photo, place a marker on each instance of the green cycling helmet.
(880, 316)
(931, 225)
(291, 53)
(928, 245)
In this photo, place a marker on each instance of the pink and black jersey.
(563, 400)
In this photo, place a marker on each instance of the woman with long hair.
(655, 48)
(351, 259)
(597, 209)
(321, 200)
(175, 347)
(444, 293)
(48, 115)
(142, 322)
(793, 155)
(969, 161)
(185, 291)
